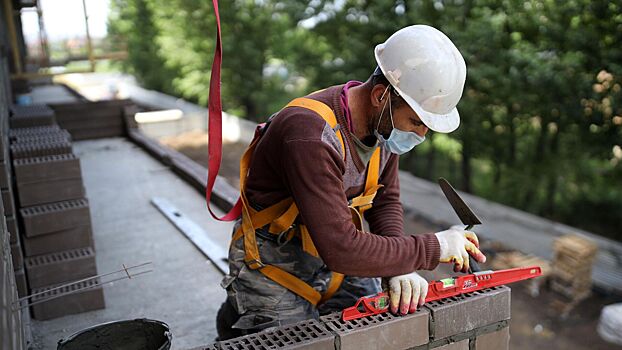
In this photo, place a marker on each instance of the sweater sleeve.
(386, 217)
(312, 169)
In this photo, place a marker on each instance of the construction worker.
(323, 163)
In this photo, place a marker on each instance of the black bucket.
(139, 334)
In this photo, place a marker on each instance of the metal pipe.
(17, 60)
(43, 37)
(88, 37)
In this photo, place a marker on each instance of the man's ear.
(376, 95)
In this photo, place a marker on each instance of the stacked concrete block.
(31, 115)
(89, 120)
(67, 300)
(54, 219)
(11, 329)
(473, 321)
(57, 268)
(56, 227)
(9, 213)
(48, 179)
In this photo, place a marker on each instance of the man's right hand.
(456, 245)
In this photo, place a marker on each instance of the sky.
(64, 19)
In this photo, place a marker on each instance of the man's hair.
(377, 77)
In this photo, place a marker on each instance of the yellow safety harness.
(281, 216)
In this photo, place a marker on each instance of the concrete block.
(55, 217)
(20, 281)
(17, 256)
(5, 174)
(383, 331)
(31, 110)
(213, 346)
(67, 239)
(499, 340)
(45, 137)
(56, 268)
(80, 300)
(15, 134)
(47, 168)
(4, 147)
(96, 132)
(26, 321)
(8, 202)
(11, 224)
(31, 115)
(49, 192)
(310, 334)
(461, 345)
(38, 149)
(129, 113)
(29, 121)
(466, 312)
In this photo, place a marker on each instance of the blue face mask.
(399, 141)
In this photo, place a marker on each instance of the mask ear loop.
(383, 107)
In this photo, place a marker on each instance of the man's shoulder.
(301, 122)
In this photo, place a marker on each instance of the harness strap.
(284, 221)
(307, 242)
(325, 112)
(292, 283)
(333, 286)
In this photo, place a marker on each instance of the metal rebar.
(71, 292)
(125, 269)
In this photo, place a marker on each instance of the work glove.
(456, 245)
(407, 293)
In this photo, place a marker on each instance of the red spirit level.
(445, 288)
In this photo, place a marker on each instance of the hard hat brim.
(443, 123)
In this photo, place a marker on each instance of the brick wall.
(474, 321)
(12, 331)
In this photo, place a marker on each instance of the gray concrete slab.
(47, 94)
(183, 290)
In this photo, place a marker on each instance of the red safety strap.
(214, 130)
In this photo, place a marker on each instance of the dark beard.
(385, 126)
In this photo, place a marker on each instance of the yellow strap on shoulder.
(324, 111)
(373, 171)
(364, 201)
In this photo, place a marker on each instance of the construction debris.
(571, 274)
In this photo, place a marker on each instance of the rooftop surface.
(183, 289)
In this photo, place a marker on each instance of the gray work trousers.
(255, 302)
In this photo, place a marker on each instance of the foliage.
(541, 111)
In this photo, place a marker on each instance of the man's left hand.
(407, 292)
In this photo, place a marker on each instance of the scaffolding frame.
(19, 72)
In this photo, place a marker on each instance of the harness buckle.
(255, 264)
(283, 237)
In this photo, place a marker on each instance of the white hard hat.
(428, 71)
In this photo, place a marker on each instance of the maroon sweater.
(299, 156)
